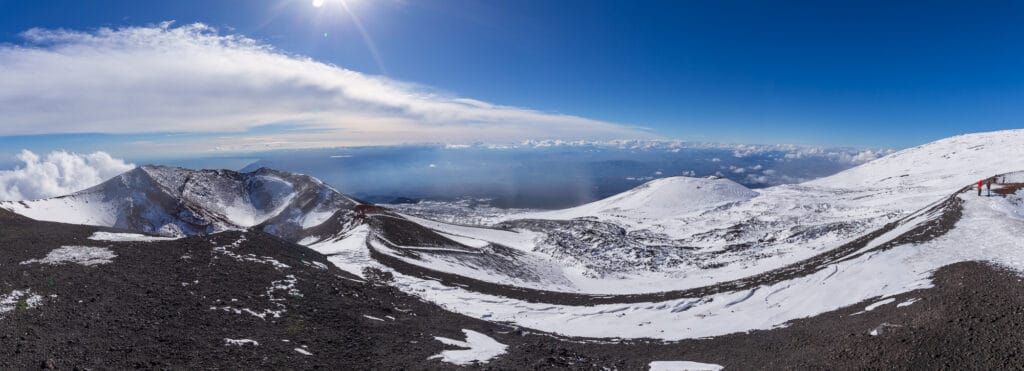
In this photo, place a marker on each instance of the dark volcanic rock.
(174, 304)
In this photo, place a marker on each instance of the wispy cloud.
(192, 78)
(57, 174)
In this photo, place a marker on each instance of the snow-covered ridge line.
(939, 166)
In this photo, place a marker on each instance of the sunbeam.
(366, 37)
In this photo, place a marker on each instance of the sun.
(322, 3)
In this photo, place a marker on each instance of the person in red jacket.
(980, 182)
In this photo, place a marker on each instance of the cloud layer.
(193, 79)
(59, 173)
(855, 156)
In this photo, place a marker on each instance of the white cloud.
(780, 152)
(58, 174)
(193, 79)
(868, 155)
(757, 179)
(794, 152)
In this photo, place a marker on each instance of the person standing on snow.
(988, 186)
(979, 187)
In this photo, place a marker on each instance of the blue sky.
(846, 73)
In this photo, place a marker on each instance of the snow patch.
(9, 302)
(83, 255)
(316, 265)
(481, 348)
(287, 285)
(683, 366)
(261, 314)
(907, 303)
(881, 328)
(878, 304)
(127, 237)
(225, 250)
(348, 253)
(240, 342)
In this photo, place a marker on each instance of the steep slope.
(175, 201)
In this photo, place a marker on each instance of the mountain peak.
(165, 199)
(679, 194)
(661, 198)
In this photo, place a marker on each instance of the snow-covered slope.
(942, 165)
(174, 201)
(659, 198)
(890, 264)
